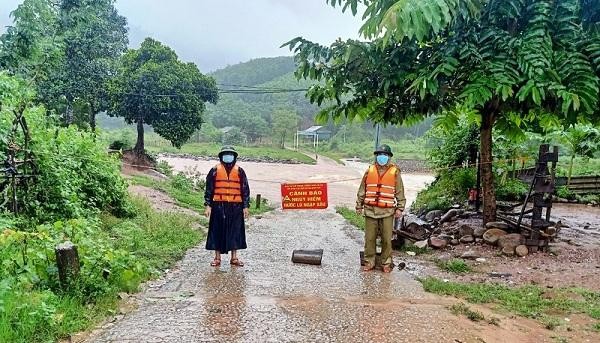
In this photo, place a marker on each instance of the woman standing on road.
(227, 200)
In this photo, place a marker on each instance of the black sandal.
(236, 262)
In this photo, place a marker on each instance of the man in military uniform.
(380, 199)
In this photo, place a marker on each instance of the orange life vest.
(228, 187)
(381, 189)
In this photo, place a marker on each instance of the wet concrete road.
(273, 300)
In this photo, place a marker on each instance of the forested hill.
(252, 112)
(256, 115)
(259, 117)
(256, 71)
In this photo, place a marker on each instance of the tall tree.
(232, 111)
(285, 121)
(30, 47)
(94, 36)
(511, 60)
(153, 87)
(68, 49)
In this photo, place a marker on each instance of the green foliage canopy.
(153, 87)
(74, 176)
(498, 57)
(512, 55)
(68, 49)
(29, 47)
(285, 122)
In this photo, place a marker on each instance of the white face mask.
(228, 158)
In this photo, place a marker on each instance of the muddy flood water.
(343, 180)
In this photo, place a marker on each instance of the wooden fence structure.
(589, 184)
(581, 184)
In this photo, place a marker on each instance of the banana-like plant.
(580, 140)
(523, 60)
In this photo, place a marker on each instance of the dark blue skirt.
(226, 229)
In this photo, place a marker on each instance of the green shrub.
(455, 265)
(511, 190)
(588, 199)
(450, 187)
(165, 168)
(76, 182)
(565, 193)
(120, 145)
(181, 182)
(74, 176)
(118, 139)
(453, 147)
(115, 256)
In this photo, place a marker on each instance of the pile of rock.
(509, 243)
(445, 231)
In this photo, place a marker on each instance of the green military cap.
(384, 149)
(228, 149)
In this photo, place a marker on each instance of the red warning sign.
(304, 196)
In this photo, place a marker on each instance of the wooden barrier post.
(258, 200)
(67, 261)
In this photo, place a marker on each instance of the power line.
(252, 91)
(250, 87)
(223, 91)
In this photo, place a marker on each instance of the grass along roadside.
(455, 265)
(351, 216)
(548, 306)
(187, 195)
(410, 149)
(133, 251)
(208, 149)
(158, 238)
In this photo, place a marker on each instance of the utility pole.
(377, 133)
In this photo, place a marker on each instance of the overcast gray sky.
(216, 33)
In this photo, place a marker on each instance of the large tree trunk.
(472, 155)
(93, 120)
(488, 115)
(139, 145)
(69, 113)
